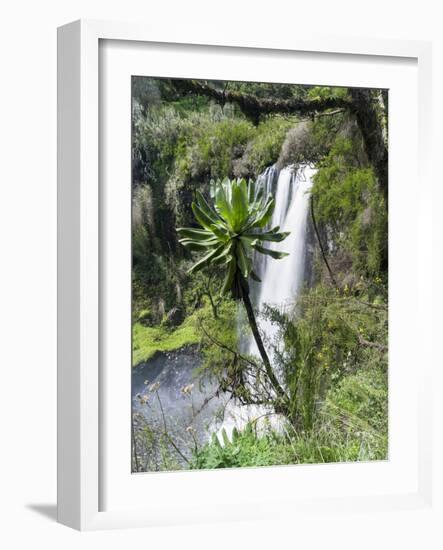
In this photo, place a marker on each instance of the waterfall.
(282, 279)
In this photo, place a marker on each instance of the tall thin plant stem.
(165, 429)
(134, 445)
(323, 253)
(258, 340)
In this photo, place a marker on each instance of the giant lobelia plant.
(231, 231)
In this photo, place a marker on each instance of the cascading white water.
(282, 279)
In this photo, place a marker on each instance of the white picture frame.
(81, 413)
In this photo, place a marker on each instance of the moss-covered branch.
(254, 107)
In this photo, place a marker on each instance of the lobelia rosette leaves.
(232, 230)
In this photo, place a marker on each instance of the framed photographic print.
(242, 297)
(259, 274)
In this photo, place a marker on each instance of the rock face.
(175, 316)
(298, 146)
(367, 216)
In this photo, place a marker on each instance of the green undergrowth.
(352, 426)
(245, 449)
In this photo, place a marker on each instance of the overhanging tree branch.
(361, 104)
(253, 107)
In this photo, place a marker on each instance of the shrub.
(264, 149)
(323, 343)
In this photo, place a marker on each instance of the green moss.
(146, 341)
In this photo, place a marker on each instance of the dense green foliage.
(334, 363)
(351, 427)
(177, 148)
(351, 209)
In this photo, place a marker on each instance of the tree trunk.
(261, 348)
(371, 128)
